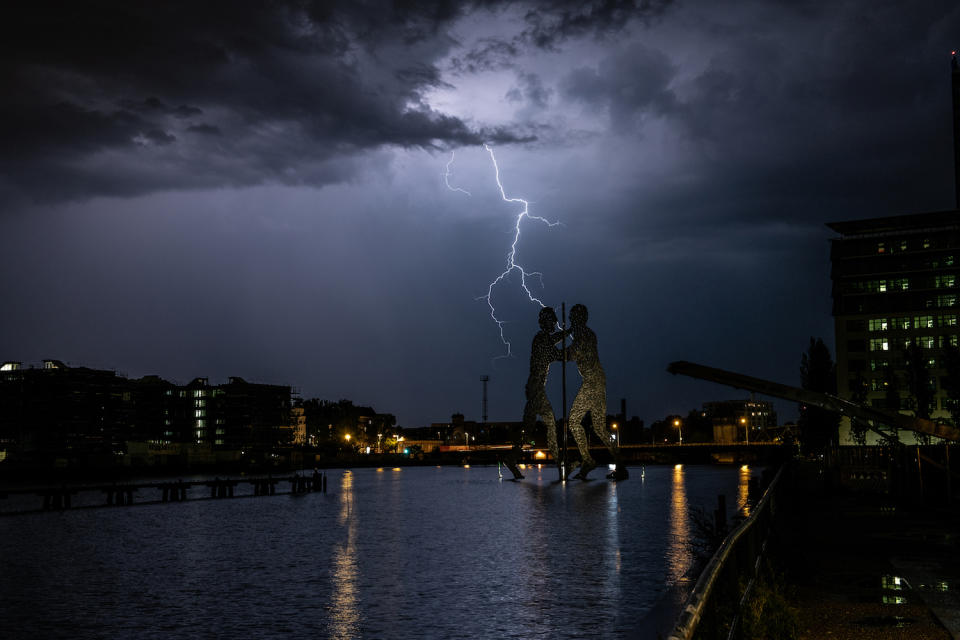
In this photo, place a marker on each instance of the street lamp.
(613, 427)
(677, 424)
(746, 428)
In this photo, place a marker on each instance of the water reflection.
(410, 554)
(678, 548)
(743, 491)
(344, 609)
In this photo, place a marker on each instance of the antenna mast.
(563, 393)
(483, 406)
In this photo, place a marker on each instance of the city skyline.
(221, 191)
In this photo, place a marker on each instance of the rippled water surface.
(424, 552)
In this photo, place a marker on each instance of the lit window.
(948, 321)
(882, 286)
(923, 322)
(879, 344)
(877, 324)
(881, 248)
(926, 243)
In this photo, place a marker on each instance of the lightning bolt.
(512, 264)
(447, 174)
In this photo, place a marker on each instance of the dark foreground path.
(862, 566)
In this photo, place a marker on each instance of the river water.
(418, 552)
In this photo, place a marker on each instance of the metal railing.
(712, 609)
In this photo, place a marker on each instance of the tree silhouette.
(918, 385)
(818, 427)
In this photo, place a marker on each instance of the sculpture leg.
(577, 412)
(550, 422)
(600, 428)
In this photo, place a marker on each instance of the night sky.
(257, 189)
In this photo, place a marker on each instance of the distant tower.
(955, 68)
(483, 407)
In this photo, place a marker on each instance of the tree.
(951, 382)
(892, 398)
(818, 427)
(858, 394)
(918, 385)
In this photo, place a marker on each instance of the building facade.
(747, 420)
(60, 410)
(895, 299)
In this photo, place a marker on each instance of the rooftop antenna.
(955, 82)
(563, 393)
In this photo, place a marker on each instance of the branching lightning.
(512, 264)
(447, 174)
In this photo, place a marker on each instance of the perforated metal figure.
(543, 353)
(592, 396)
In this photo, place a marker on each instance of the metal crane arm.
(814, 398)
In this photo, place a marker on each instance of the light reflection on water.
(404, 553)
(678, 552)
(743, 492)
(344, 612)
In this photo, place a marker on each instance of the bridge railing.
(713, 607)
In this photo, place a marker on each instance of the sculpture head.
(578, 315)
(548, 318)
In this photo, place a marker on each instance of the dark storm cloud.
(145, 84)
(489, 54)
(550, 24)
(634, 81)
(530, 88)
(101, 80)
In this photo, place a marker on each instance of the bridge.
(65, 496)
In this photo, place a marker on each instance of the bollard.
(720, 515)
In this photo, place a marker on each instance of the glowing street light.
(678, 425)
(746, 428)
